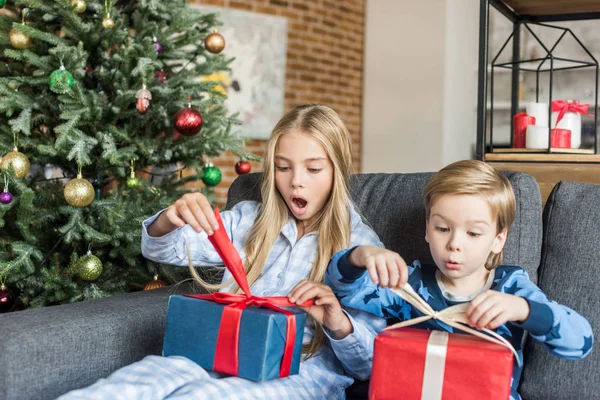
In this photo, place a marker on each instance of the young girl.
(469, 208)
(286, 243)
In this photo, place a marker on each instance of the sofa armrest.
(48, 351)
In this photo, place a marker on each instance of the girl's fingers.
(189, 218)
(208, 212)
(297, 290)
(198, 213)
(480, 310)
(173, 218)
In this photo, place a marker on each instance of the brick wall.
(324, 64)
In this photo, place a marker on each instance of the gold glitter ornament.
(155, 283)
(18, 39)
(79, 192)
(19, 162)
(79, 6)
(215, 43)
(89, 267)
(108, 22)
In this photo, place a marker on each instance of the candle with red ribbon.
(227, 353)
(566, 114)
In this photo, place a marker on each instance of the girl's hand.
(327, 310)
(492, 309)
(385, 267)
(192, 209)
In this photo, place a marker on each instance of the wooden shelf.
(543, 157)
(553, 7)
(544, 151)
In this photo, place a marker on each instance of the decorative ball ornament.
(242, 167)
(6, 197)
(157, 45)
(132, 181)
(79, 6)
(160, 76)
(19, 162)
(215, 43)
(89, 267)
(18, 39)
(7, 300)
(108, 22)
(155, 283)
(212, 175)
(79, 192)
(188, 121)
(61, 81)
(143, 97)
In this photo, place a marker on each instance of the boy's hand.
(385, 267)
(492, 309)
(192, 209)
(327, 310)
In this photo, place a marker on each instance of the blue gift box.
(193, 326)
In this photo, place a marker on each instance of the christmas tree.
(101, 109)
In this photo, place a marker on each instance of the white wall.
(420, 84)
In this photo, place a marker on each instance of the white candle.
(571, 121)
(539, 111)
(536, 137)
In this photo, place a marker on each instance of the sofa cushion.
(392, 204)
(568, 274)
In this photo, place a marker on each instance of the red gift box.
(414, 364)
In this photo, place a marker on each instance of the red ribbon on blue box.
(226, 353)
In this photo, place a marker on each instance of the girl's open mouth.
(299, 205)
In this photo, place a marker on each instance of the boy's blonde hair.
(474, 177)
(333, 222)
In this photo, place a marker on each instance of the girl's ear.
(499, 241)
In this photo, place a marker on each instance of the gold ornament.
(79, 6)
(18, 39)
(19, 162)
(154, 284)
(89, 267)
(79, 192)
(108, 22)
(215, 43)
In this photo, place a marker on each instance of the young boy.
(469, 209)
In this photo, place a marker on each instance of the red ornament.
(160, 76)
(143, 100)
(7, 300)
(188, 121)
(242, 167)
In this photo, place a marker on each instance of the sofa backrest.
(569, 274)
(392, 204)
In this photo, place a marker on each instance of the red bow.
(226, 353)
(562, 107)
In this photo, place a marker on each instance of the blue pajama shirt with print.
(563, 332)
(324, 376)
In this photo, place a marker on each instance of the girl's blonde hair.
(474, 177)
(333, 221)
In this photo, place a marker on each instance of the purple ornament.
(157, 45)
(6, 197)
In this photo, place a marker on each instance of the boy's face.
(462, 232)
(303, 175)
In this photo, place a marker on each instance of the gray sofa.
(49, 351)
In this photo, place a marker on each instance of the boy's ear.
(499, 241)
(426, 230)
